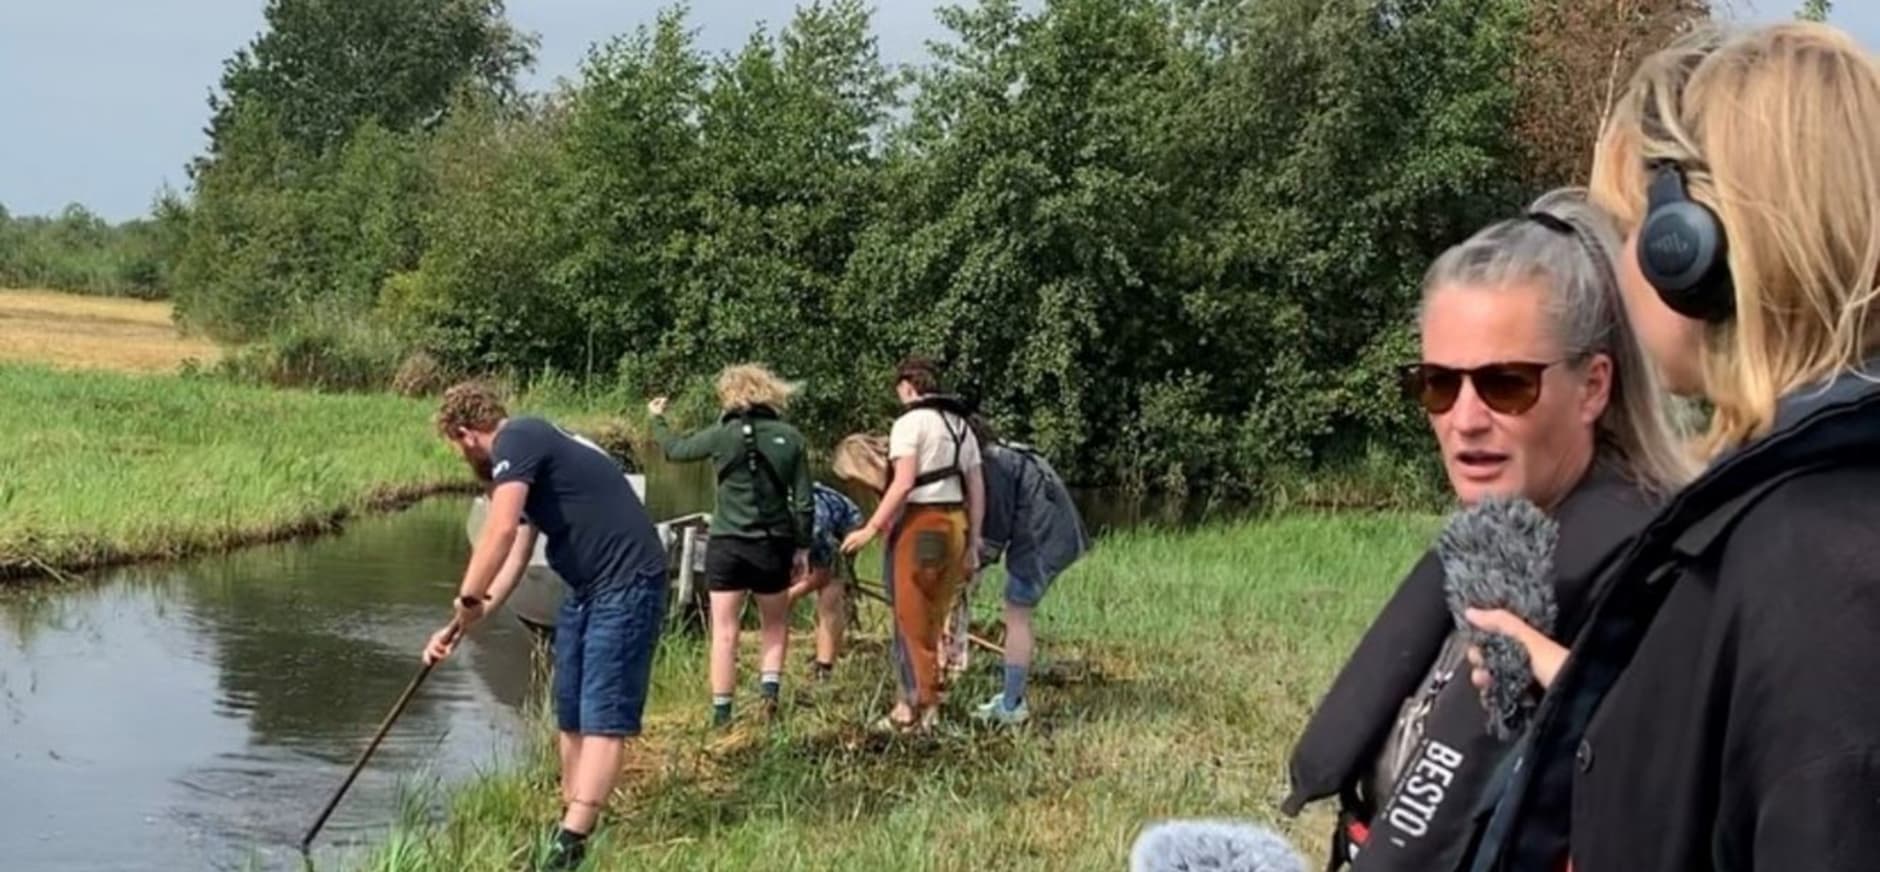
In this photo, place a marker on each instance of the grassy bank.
(99, 468)
(1177, 671)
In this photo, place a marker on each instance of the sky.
(102, 102)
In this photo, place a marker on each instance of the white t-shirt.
(923, 433)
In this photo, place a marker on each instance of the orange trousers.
(926, 567)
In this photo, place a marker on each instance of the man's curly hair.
(470, 405)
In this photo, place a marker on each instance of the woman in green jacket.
(761, 528)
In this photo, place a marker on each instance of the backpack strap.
(951, 470)
(754, 460)
(945, 405)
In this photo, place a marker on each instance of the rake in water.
(384, 726)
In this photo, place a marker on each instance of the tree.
(1578, 55)
(321, 68)
(1815, 10)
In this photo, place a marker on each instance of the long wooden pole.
(385, 726)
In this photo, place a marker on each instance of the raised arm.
(680, 449)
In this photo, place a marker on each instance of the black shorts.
(757, 565)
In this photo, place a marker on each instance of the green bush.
(319, 354)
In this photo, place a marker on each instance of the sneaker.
(995, 711)
(561, 855)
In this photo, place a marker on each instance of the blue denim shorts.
(605, 637)
(1025, 578)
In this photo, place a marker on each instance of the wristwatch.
(469, 602)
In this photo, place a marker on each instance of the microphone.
(1213, 846)
(1499, 554)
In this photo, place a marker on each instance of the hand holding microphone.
(1545, 656)
(1497, 561)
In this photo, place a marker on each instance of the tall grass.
(1175, 672)
(103, 467)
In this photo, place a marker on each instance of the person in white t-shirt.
(932, 506)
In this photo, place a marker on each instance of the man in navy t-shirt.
(603, 544)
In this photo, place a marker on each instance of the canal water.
(198, 715)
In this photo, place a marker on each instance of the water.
(198, 715)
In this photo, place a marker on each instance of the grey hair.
(1587, 316)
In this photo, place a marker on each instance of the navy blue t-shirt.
(579, 498)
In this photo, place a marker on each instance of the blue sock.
(1015, 685)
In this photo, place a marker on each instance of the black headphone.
(1682, 249)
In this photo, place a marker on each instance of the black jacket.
(1721, 707)
(1341, 743)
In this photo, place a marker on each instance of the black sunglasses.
(1509, 387)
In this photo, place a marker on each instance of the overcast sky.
(103, 101)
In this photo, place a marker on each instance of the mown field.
(72, 331)
(1177, 669)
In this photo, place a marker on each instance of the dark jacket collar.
(1836, 420)
(756, 411)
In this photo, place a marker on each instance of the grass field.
(100, 467)
(1175, 674)
(72, 331)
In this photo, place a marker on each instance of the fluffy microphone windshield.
(1499, 554)
(1213, 846)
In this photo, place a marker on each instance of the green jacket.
(748, 503)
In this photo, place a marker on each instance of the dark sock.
(1015, 685)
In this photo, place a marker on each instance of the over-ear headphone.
(1682, 249)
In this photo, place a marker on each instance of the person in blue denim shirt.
(544, 480)
(836, 516)
(1034, 529)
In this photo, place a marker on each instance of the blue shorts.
(1021, 591)
(1025, 577)
(604, 643)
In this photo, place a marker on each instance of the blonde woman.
(1720, 708)
(762, 524)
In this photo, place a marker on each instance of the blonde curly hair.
(752, 384)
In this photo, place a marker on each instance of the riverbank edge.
(19, 571)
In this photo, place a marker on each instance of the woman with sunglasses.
(1720, 708)
(1534, 386)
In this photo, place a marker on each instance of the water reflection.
(197, 716)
